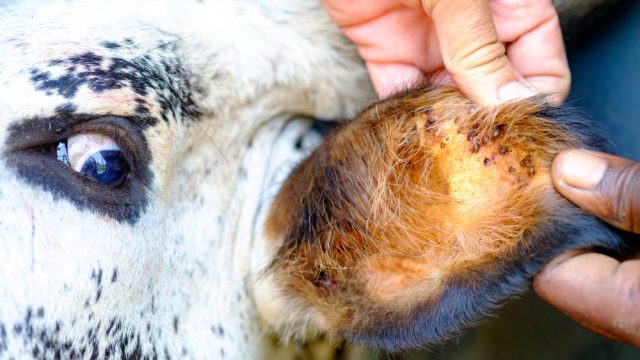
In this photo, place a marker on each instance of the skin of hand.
(598, 291)
(493, 51)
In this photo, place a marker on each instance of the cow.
(154, 200)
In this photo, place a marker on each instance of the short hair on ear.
(425, 213)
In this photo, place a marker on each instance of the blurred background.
(605, 63)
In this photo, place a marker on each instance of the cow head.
(142, 146)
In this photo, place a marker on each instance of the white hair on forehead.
(180, 280)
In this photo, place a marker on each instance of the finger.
(389, 78)
(473, 53)
(536, 48)
(351, 13)
(397, 43)
(604, 185)
(597, 291)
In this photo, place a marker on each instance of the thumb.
(604, 185)
(472, 52)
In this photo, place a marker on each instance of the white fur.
(254, 68)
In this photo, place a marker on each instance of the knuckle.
(624, 196)
(482, 55)
(631, 283)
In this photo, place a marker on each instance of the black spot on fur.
(44, 342)
(114, 275)
(111, 326)
(110, 45)
(66, 109)
(97, 276)
(141, 108)
(164, 79)
(503, 150)
(527, 164)
(218, 330)
(3, 338)
(153, 304)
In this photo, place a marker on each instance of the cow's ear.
(420, 217)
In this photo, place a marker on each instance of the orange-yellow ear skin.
(424, 213)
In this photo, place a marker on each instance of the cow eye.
(97, 157)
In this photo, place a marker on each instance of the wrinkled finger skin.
(615, 199)
(480, 46)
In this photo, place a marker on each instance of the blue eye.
(107, 166)
(95, 156)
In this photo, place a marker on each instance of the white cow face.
(140, 144)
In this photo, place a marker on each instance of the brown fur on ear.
(419, 194)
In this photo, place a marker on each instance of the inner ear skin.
(425, 212)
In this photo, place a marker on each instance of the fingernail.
(516, 90)
(581, 169)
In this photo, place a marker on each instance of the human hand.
(600, 292)
(493, 51)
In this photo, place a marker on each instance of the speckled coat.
(210, 100)
(407, 225)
